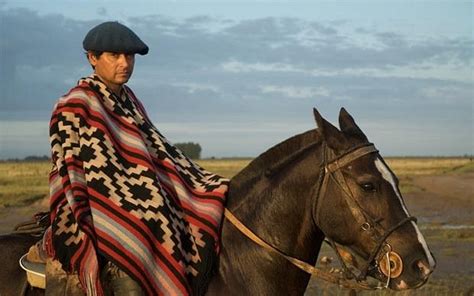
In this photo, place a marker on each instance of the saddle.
(38, 266)
(35, 271)
(59, 282)
(68, 284)
(34, 262)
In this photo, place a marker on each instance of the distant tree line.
(36, 158)
(190, 149)
(31, 158)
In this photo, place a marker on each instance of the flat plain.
(438, 191)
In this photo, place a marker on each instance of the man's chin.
(122, 79)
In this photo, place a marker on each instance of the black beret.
(114, 37)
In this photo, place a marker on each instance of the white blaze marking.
(422, 241)
(388, 176)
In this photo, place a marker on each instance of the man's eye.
(368, 187)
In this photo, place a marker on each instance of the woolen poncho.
(120, 191)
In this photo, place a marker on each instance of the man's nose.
(124, 60)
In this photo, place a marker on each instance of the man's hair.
(96, 54)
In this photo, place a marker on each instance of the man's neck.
(115, 88)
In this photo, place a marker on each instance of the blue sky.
(241, 76)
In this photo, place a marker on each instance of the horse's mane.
(276, 157)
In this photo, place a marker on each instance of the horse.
(325, 184)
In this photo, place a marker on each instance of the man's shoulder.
(79, 94)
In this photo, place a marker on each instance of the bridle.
(330, 171)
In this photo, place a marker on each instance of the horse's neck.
(280, 211)
(277, 209)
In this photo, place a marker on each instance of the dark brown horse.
(325, 183)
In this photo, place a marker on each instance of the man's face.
(114, 68)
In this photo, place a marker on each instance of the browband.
(346, 159)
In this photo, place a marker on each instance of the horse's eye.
(368, 187)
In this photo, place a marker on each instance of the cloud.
(296, 92)
(234, 66)
(20, 138)
(206, 68)
(102, 11)
(447, 94)
(38, 53)
(196, 87)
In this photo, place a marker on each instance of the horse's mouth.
(398, 283)
(387, 269)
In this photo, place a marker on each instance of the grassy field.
(24, 182)
(403, 166)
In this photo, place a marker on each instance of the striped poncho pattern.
(119, 191)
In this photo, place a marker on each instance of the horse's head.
(359, 206)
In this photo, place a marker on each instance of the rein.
(331, 171)
(306, 267)
(34, 227)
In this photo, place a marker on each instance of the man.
(129, 212)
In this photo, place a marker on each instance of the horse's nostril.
(422, 268)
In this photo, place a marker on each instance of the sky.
(238, 77)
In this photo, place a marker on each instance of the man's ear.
(92, 58)
(333, 137)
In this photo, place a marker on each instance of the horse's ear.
(329, 132)
(349, 127)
